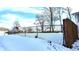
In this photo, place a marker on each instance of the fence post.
(36, 32)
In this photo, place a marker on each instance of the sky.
(25, 16)
(25, 11)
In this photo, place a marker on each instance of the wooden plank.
(70, 32)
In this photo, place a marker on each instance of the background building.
(76, 14)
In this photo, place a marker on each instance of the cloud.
(23, 3)
(27, 10)
(15, 9)
(23, 9)
(9, 20)
(27, 23)
(26, 16)
(41, 3)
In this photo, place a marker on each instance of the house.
(76, 14)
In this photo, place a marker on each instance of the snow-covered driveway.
(22, 43)
(15, 42)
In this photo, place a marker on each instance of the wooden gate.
(70, 32)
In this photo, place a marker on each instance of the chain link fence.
(44, 29)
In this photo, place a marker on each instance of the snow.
(75, 45)
(1, 33)
(18, 43)
(27, 43)
(55, 37)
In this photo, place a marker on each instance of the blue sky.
(17, 13)
(25, 16)
(25, 11)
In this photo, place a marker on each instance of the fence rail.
(46, 28)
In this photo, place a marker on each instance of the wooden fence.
(70, 32)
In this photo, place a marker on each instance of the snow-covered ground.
(2, 33)
(76, 45)
(15, 42)
(55, 37)
(20, 42)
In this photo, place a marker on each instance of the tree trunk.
(69, 13)
(51, 19)
(42, 28)
(60, 20)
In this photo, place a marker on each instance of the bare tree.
(51, 19)
(41, 21)
(60, 11)
(48, 16)
(51, 15)
(16, 26)
(69, 12)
